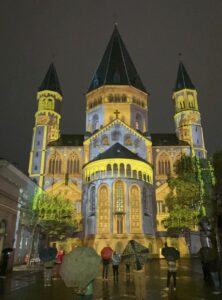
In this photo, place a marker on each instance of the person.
(210, 265)
(4, 263)
(48, 271)
(127, 268)
(139, 280)
(84, 294)
(164, 249)
(206, 272)
(171, 272)
(115, 264)
(105, 268)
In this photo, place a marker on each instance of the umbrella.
(47, 254)
(80, 267)
(170, 253)
(135, 253)
(7, 250)
(106, 253)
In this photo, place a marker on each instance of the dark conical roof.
(183, 80)
(116, 66)
(118, 151)
(51, 81)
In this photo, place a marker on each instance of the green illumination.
(191, 194)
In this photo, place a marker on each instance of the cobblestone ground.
(28, 285)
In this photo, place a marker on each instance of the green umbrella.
(80, 267)
(135, 253)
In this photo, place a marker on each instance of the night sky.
(75, 33)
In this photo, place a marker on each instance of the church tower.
(116, 86)
(47, 123)
(117, 174)
(187, 116)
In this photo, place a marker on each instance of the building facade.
(16, 195)
(116, 172)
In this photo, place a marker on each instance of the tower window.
(35, 168)
(124, 98)
(138, 122)
(37, 154)
(73, 164)
(164, 165)
(55, 164)
(110, 98)
(95, 123)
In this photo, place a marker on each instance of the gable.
(162, 191)
(117, 132)
(70, 191)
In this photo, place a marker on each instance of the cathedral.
(116, 173)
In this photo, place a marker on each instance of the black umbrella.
(170, 253)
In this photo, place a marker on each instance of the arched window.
(105, 140)
(164, 167)
(109, 170)
(139, 123)
(95, 122)
(116, 135)
(55, 164)
(135, 174)
(115, 169)
(135, 210)
(92, 200)
(73, 164)
(128, 171)
(127, 140)
(122, 170)
(110, 98)
(119, 197)
(124, 98)
(103, 219)
(145, 199)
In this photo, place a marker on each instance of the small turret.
(187, 116)
(47, 122)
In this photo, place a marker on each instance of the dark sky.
(75, 33)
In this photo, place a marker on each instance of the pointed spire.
(183, 80)
(116, 66)
(51, 81)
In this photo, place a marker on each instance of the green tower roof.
(51, 81)
(116, 66)
(183, 80)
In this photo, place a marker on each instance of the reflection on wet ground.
(190, 285)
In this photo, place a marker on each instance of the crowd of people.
(134, 266)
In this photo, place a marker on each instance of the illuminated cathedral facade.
(115, 174)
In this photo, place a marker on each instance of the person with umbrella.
(171, 254)
(139, 280)
(210, 262)
(136, 254)
(106, 255)
(79, 268)
(4, 261)
(115, 263)
(48, 255)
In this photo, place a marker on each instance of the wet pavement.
(28, 285)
